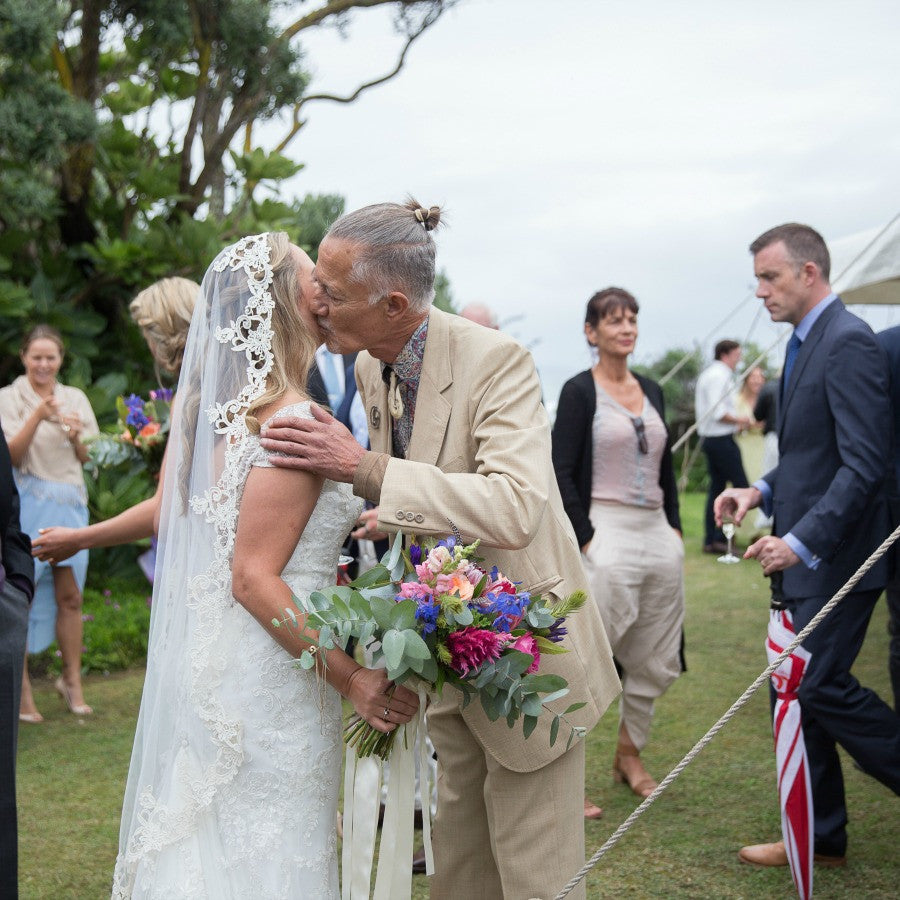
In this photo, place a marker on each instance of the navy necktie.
(790, 357)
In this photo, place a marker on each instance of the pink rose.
(437, 558)
(527, 644)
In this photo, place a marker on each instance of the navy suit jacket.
(834, 441)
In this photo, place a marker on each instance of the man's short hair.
(723, 348)
(803, 245)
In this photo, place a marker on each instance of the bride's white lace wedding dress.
(242, 800)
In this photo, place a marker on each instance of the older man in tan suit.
(460, 440)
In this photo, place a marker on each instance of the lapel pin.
(375, 417)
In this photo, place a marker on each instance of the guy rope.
(729, 714)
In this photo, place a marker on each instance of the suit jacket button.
(420, 518)
(410, 516)
(401, 514)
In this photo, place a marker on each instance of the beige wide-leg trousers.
(634, 565)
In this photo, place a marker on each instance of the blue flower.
(415, 554)
(507, 608)
(427, 611)
(557, 631)
(136, 415)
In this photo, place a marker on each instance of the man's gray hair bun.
(428, 217)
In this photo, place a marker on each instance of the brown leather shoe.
(776, 855)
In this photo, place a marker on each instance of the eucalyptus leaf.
(430, 672)
(544, 683)
(416, 648)
(403, 615)
(555, 695)
(377, 576)
(393, 644)
(554, 730)
(381, 611)
(307, 660)
(575, 707)
(529, 723)
(393, 559)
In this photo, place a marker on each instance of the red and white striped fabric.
(794, 788)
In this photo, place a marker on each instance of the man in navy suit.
(890, 341)
(828, 497)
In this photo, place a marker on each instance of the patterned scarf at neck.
(403, 378)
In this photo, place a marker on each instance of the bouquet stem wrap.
(362, 797)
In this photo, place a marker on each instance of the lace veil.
(186, 746)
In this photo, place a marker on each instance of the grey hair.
(396, 249)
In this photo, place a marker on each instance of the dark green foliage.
(116, 624)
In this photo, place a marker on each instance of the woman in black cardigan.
(613, 462)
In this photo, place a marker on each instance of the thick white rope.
(740, 702)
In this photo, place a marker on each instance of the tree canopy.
(128, 152)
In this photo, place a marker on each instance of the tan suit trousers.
(530, 822)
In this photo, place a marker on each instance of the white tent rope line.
(729, 714)
(706, 337)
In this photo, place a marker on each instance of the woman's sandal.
(62, 689)
(643, 787)
(34, 718)
(591, 810)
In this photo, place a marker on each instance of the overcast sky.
(581, 143)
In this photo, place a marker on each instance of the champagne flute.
(728, 531)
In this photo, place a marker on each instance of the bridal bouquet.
(140, 433)
(437, 614)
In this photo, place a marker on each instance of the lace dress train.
(241, 800)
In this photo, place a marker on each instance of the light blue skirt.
(46, 503)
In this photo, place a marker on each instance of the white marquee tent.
(865, 267)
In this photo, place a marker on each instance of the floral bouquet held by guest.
(141, 432)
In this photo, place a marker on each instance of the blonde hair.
(293, 345)
(163, 313)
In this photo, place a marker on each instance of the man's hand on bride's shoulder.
(383, 704)
(321, 445)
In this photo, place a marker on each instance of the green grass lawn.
(72, 771)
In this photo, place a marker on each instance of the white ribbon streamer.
(362, 799)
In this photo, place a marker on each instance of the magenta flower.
(472, 647)
(527, 644)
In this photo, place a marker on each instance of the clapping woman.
(611, 453)
(45, 424)
(163, 312)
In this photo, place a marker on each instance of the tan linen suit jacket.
(479, 457)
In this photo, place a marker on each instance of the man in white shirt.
(717, 422)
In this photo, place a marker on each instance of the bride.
(233, 785)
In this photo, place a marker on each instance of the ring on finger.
(385, 712)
